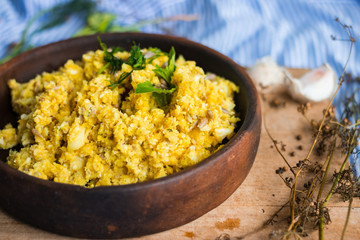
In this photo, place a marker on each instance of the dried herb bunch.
(311, 192)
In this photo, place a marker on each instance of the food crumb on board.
(189, 234)
(229, 223)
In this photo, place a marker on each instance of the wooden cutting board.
(257, 199)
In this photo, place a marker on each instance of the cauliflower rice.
(75, 129)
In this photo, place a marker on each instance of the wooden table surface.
(256, 200)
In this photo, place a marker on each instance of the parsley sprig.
(162, 96)
(111, 60)
(167, 72)
(136, 59)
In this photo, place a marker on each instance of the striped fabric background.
(295, 33)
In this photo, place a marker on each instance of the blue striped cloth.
(295, 33)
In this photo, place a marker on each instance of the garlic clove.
(314, 86)
(266, 73)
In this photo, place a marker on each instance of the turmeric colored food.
(81, 125)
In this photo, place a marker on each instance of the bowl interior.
(50, 57)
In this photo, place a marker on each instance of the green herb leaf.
(114, 62)
(162, 99)
(162, 96)
(147, 86)
(97, 22)
(101, 21)
(136, 59)
(167, 72)
(122, 77)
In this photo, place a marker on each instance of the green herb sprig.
(109, 57)
(122, 77)
(168, 71)
(162, 96)
(136, 59)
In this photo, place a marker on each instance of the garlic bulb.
(315, 86)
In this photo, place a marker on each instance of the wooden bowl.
(135, 209)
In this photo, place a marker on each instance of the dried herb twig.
(303, 206)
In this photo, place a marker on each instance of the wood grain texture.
(261, 194)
